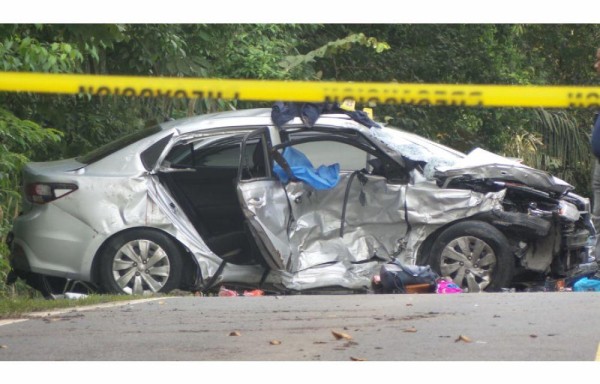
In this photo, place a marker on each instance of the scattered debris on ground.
(464, 339)
(341, 335)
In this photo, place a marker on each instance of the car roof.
(248, 117)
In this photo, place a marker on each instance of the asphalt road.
(543, 326)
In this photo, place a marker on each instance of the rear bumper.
(49, 241)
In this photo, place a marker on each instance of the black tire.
(475, 254)
(124, 263)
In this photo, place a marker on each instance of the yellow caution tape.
(305, 91)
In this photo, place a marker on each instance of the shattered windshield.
(417, 148)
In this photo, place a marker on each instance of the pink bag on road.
(445, 286)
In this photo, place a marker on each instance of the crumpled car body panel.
(306, 238)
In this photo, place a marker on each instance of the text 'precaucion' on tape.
(305, 91)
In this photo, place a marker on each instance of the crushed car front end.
(548, 227)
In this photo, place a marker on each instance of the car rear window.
(120, 143)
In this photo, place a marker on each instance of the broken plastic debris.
(445, 286)
(341, 335)
(463, 338)
(275, 342)
(254, 293)
(235, 333)
(224, 292)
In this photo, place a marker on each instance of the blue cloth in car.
(324, 177)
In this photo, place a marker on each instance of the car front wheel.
(475, 254)
(140, 262)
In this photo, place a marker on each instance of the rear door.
(263, 200)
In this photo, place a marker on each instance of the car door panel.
(301, 227)
(373, 227)
(266, 208)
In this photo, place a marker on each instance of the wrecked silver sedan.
(232, 198)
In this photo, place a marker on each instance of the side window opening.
(349, 158)
(256, 160)
(197, 154)
(351, 152)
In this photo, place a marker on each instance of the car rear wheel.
(475, 255)
(140, 262)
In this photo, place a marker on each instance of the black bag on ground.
(395, 276)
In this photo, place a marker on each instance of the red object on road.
(256, 292)
(224, 292)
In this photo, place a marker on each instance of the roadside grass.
(11, 308)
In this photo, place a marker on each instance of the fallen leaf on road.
(320, 342)
(533, 336)
(51, 320)
(357, 359)
(409, 305)
(463, 338)
(410, 330)
(341, 335)
(235, 333)
(275, 342)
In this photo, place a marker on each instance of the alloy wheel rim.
(141, 267)
(470, 262)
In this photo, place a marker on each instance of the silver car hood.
(482, 164)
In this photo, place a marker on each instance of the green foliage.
(332, 48)
(554, 140)
(19, 139)
(15, 307)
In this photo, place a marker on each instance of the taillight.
(41, 193)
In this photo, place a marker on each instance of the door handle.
(255, 201)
